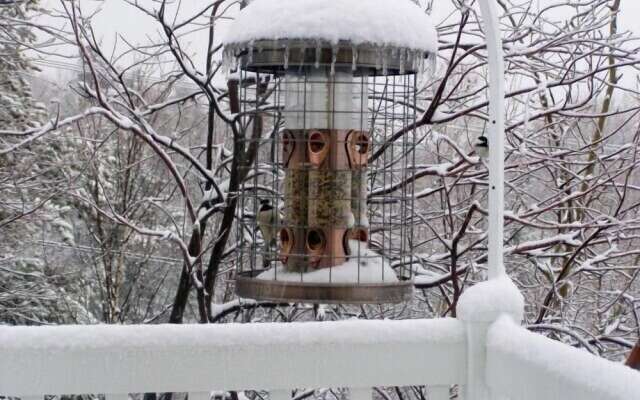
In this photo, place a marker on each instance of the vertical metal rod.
(496, 133)
(414, 95)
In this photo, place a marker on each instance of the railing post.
(476, 388)
(479, 307)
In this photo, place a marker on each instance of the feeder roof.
(387, 23)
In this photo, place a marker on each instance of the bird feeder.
(326, 90)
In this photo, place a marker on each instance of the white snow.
(113, 337)
(425, 277)
(197, 358)
(397, 23)
(600, 257)
(486, 301)
(217, 309)
(442, 169)
(365, 266)
(524, 365)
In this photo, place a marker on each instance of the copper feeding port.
(358, 148)
(286, 243)
(318, 146)
(316, 243)
(359, 234)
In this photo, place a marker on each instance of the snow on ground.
(366, 266)
(399, 23)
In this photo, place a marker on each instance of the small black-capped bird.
(267, 222)
(482, 147)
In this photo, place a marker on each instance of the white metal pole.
(495, 136)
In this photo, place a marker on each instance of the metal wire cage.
(326, 209)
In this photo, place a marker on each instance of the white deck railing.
(204, 358)
(489, 359)
(526, 366)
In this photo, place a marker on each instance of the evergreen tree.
(18, 110)
(31, 179)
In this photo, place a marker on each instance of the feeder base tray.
(247, 286)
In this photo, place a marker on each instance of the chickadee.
(482, 147)
(267, 221)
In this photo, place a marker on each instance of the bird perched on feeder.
(268, 219)
(482, 147)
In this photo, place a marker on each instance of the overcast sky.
(118, 18)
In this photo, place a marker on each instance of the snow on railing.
(526, 366)
(485, 352)
(117, 360)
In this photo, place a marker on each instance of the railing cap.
(487, 301)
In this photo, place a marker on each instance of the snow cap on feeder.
(370, 36)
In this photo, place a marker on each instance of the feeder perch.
(339, 77)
